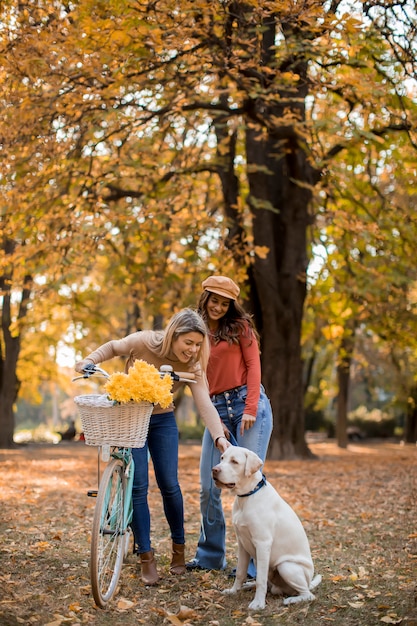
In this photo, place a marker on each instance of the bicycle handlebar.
(91, 370)
(185, 377)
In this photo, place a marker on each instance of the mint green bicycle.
(115, 429)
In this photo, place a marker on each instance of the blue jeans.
(162, 444)
(211, 549)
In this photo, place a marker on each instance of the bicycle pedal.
(92, 493)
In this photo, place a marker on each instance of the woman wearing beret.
(234, 377)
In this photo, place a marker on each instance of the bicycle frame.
(111, 532)
(125, 455)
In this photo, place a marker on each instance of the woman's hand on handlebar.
(88, 368)
(85, 364)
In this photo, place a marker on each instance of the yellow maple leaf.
(261, 251)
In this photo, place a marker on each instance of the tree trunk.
(280, 192)
(279, 283)
(410, 428)
(343, 378)
(9, 383)
(7, 399)
(281, 180)
(10, 349)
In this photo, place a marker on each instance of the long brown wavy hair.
(235, 323)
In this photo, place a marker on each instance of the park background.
(147, 144)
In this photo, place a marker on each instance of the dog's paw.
(249, 584)
(229, 592)
(302, 598)
(257, 605)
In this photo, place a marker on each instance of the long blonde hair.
(185, 321)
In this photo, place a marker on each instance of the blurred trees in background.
(145, 145)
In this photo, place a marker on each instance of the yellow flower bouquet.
(142, 383)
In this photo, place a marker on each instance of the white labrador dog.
(267, 529)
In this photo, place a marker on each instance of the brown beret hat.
(222, 285)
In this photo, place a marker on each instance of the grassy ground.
(358, 507)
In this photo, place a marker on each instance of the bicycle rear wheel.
(108, 537)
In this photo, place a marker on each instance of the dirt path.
(358, 507)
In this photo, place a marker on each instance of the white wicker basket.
(121, 425)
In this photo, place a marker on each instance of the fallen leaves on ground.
(358, 507)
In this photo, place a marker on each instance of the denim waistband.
(220, 396)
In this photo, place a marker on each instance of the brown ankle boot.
(178, 559)
(148, 564)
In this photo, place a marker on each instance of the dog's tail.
(315, 582)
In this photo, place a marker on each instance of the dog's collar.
(261, 484)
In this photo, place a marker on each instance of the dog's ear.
(253, 463)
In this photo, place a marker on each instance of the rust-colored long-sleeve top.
(234, 365)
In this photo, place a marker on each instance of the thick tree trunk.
(7, 399)
(9, 352)
(9, 388)
(410, 431)
(410, 428)
(279, 283)
(346, 349)
(281, 180)
(280, 191)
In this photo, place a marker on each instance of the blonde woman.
(185, 346)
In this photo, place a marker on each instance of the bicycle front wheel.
(108, 535)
